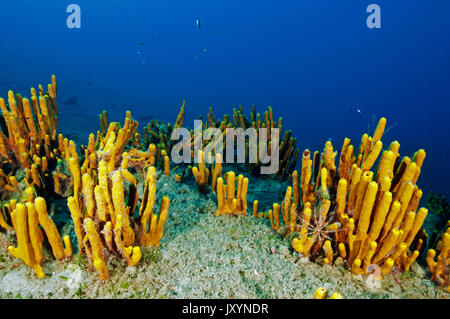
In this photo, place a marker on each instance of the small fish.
(145, 118)
(73, 100)
(353, 109)
(390, 128)
(197, 22)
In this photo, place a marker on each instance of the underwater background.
(315, 62)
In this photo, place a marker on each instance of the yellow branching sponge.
(230, 200)
(104, 213)
(102, 207)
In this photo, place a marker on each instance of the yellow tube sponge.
(342, 250)
(286, 205)
(158, 222)
(100, 203)
(320, 293)
(201, 174)
(404, 201)
(387, 267)
(417, 225)
(74, 168)
(386, 165)
(102, 270)
(380, 216)
(366, 178)
(369, 255)
(372, 156)
(439, 268)
(408, 260)
(152, 226)
(387, 245)
(395, 209)
(275, 226)
(119, 207)
(166, 166)
(356, 267)
(324, 181)
(217, 171)
(227, 203)
(118, 236)
(379, 130)
(336, 295)
(296, 190)
(50, 228)
(88, 194)
(96, 246)
(77, 221)
(36, 236)
(329, 158)
(104, 187)
(341, 197)
(305, 180)
(148, 201)
(328, 251)
(398, 252)
(354, 185)
(255, 208)
(366, 210)
(24, 248)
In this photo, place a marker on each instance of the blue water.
(314, 61)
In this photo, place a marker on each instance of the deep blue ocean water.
(314, 61)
